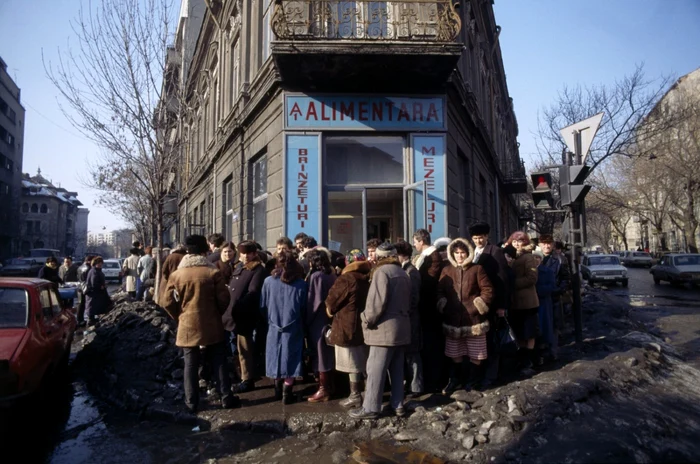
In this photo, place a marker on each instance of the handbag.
(327, 335)
(504, 341)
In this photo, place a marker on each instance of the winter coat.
(524, 294)
(345, 301)
(466, 293)
(196, 296)
(214, 256)
(49, 274)
(429, 264)
(172, 261)
(283, 303)
(546, 286)
(226, 269)
(561, 272)
(145, 267)
(496, 267)
(316, 319)
(97, 299)
(68, 274)
(129, 268)
(416, 331)
(386, 318)
(246, 284)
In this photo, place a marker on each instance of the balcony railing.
(405, 20)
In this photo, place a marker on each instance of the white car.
(112, 270)
(603, 268)
(636, 258)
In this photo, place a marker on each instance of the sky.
(546, 44)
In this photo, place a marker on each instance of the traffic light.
(541, 190)
(572, 190)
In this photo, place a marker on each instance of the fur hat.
(546, 238)
(247, 246)
(479, 228)
(538, 253)
(442, 242)
(386, 250)
(510, 251)
(196, 244)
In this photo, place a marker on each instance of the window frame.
(256, 198)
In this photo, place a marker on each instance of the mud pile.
(130, 358)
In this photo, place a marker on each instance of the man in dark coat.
(243, 313)
(68, 272)
(560, 268)
(172, 261)
(215, 241)
(493, 261)
(50, 271)
(429, 264)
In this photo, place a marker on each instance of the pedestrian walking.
(196, 296)
(145, 268)
(345, 302)
(243, 314)
(412, 352)
(83, 272)
(546, 286)
(283, 303)
(386, 328)
(465, 294)
(130, 271)
(523, 316)
(97, 298)
(320, 279)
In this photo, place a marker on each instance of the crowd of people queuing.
(421, 314)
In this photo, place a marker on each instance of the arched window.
(25, 207)
(44, 208)
(35, 208)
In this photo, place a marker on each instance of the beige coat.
(196, 296)
(524, 293)
(386, 318)
(129, 268)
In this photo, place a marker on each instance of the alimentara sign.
(316, 112)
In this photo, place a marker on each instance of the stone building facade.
(347, 121)
(11, 146)
(51, 217)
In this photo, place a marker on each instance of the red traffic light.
(541, 181)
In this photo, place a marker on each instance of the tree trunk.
(159, 241)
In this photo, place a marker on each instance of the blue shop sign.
(303, 185)
(319, 112)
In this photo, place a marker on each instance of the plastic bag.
(504, 341)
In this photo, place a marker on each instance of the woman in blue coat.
(283, 303)
(546, 285)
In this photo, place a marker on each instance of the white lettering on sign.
(302, 186)
(428, 175)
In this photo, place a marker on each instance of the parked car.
(636, 258)
(22, 267)
(677, 268)
(43, 253)
(36, 332)
(603, 268)
(112, 270)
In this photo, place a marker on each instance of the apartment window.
(266, 30)
(25, 207)
(211, 221)
(206, 116)
(35, 208)
(259, 191)
(202, 212)
(227, 208)
(233, 80)
(30, 226)
(4, 189)
(37, 227)
(44, 208)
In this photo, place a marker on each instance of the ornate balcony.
(362, 45)
(514, 176)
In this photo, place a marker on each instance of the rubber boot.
(355, 398)
(287, 394)
(324, 393)
(278, 389)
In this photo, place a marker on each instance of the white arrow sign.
(587, 128)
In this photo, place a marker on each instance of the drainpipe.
(498, 206)
(241, 198)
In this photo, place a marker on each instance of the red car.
(36, 331)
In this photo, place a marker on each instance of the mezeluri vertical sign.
(303, 185)
(429, 166)
(318, 112)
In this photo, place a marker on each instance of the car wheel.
(625, 282)
(657, 281)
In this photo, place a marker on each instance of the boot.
(475, 376)
(287, 394)
(324, 392)
(455, 379)
(278, 389)
(355, 398)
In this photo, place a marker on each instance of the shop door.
(414, 208)
(356, 215)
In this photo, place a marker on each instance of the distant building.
(11, 143)
(105, 238)
(50, 217)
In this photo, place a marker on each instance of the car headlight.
(593, 273)
(624, 273)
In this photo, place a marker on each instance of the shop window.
(227, 208)
(35, 208)
(44, 208)
(364, 160)
(25, 207)
(259, 193)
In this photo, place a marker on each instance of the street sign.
(587, 128)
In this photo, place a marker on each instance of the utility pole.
(576, 226)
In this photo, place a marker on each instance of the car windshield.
(42, 253)
(13, 307)
(110, 265)
(603, 260)
(692, 260)
(20, 261)
(642, 255)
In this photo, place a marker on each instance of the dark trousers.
(435, 365)
(216, 355)
(81, 308)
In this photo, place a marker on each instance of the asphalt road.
(673, 310)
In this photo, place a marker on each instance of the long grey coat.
(386, 319)
(416, 332)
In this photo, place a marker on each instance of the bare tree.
(112, 84)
